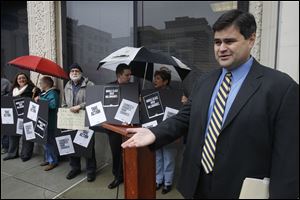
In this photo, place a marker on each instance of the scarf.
(17, 91)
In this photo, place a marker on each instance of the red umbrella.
(40, 65)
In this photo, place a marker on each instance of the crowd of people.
(74, 98)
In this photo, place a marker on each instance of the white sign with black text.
(65, 145)
(95, 113)
(29, 130)
(169, 112)
(150, 124)
(19, 128)
(33, 110)
(83, 137)
(7, 116)
(126, 111)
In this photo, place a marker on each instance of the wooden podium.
(139, 168)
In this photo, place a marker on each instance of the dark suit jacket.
(260, 137)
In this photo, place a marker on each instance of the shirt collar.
(240, 71)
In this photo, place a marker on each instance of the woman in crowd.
(22, 87)
(165, 156)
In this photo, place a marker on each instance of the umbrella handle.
(33, 94)
(145, 75)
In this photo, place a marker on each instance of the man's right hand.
(142, 137)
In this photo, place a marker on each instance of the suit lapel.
(206, 97)
(248, 88)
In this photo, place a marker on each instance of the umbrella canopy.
(40, 65)
(143, 62)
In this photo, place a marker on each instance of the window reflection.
(96, 29)
(14, 35)
(182, 29)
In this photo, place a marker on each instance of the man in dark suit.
(242, 121)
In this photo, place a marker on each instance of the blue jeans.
(165, 165)
(50, 155)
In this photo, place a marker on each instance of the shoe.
(91, 177)
(115, 183)
(158, 186)
(44, 164)
(166, 189)
(10, 157)
(73, 173)
(25, 159)
(50, 166)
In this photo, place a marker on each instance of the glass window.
(95, 29)
(182, 29)
(14, 36)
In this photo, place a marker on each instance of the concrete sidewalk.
(28, 180)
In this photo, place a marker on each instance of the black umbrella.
(143, 62)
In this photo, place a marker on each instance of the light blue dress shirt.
(238, 76)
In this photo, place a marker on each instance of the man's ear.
(252, 40)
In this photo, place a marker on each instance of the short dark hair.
(121, 68)
(242, 20)
(165, 75)
(48, 80)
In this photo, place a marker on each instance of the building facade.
(64, 33)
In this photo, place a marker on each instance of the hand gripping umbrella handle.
(34, 89)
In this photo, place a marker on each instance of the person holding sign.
(22, 87)
(165, 156)
(123, 73)
(74, 98)
(51, 95)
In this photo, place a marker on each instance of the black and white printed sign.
(165, 103)
(29, 130)
(111, 96)
(11, 110)
(81, 143)
(19, 129)
(153, 105)
(41, 127)
(19, 106)
(169, 112)
(150, 124)
(83, 137)
(65, 145)
(7, 116)
(126, 111)
(95, 113)
(38, 111)
(33, 111)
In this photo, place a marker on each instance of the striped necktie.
(215, 125)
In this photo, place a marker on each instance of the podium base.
(139, 167)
